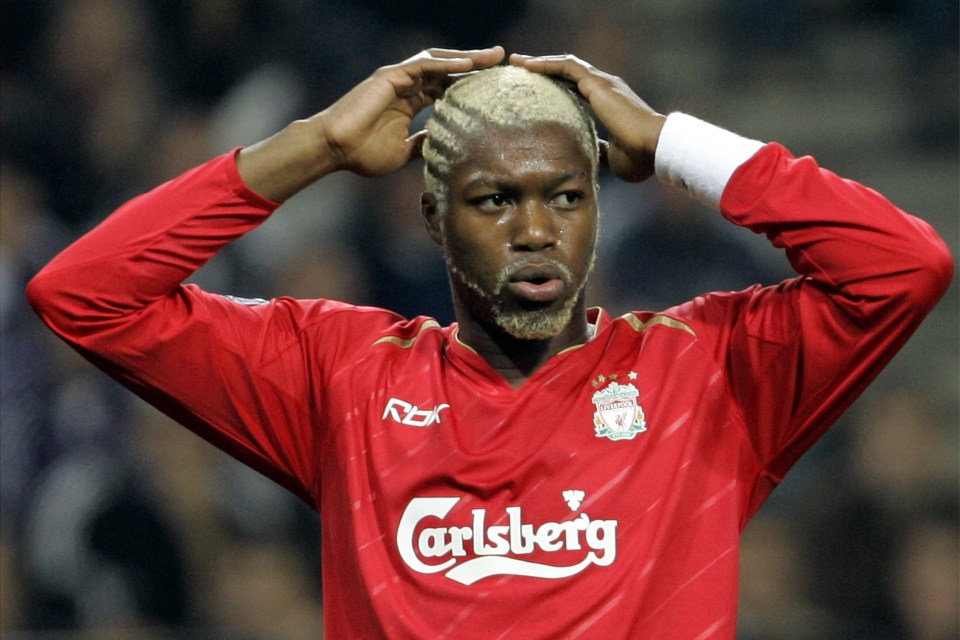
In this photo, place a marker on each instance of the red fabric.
(442, 489)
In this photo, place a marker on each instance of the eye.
(567, 199)
(490, 202)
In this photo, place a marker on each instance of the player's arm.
(875, 250)
(798, 353)
(229, 369)
(869, 274)
(143, 251)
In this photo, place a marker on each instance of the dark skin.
(524, 197)
(367, 132)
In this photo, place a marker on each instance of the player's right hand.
(367, 131)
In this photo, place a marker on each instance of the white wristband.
(700, 157)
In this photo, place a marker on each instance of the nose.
(534, 227)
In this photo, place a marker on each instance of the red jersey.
(603, 498)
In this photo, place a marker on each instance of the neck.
(516, 359)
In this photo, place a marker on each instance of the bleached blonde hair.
(503, 96)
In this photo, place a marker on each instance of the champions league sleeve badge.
(618, 416)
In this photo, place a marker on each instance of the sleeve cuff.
(241, 188)
(699, 157)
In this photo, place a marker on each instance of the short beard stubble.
(521, 324)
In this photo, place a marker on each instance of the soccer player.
(537, 469)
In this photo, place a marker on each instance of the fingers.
(568, 66)
(447, 61)
(433, 70)
(486, 57)
(584, 78)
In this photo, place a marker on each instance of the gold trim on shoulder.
(640, 325)
(456, 336)
(406, 343)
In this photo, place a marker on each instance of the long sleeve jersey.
(603, 498)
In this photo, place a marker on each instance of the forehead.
(543, 148)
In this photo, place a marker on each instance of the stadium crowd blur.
(118, 524)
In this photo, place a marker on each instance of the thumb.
(627, 167)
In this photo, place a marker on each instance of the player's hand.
(367, 131)
(634, 127)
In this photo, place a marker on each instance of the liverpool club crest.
(618, 415)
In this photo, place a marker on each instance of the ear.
(431, 216)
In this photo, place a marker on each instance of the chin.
(534, 325)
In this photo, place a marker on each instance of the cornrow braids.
(504, 96)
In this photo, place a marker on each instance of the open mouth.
(540, 283)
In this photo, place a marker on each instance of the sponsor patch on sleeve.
(248, 302)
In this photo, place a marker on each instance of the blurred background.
(115, 523)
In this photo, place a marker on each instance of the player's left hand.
(634, 127)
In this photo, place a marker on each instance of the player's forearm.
(282, 165)
(878, 260)
(848, 238)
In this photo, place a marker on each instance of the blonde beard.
(523, 325)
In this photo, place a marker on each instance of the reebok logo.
(412, 415)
